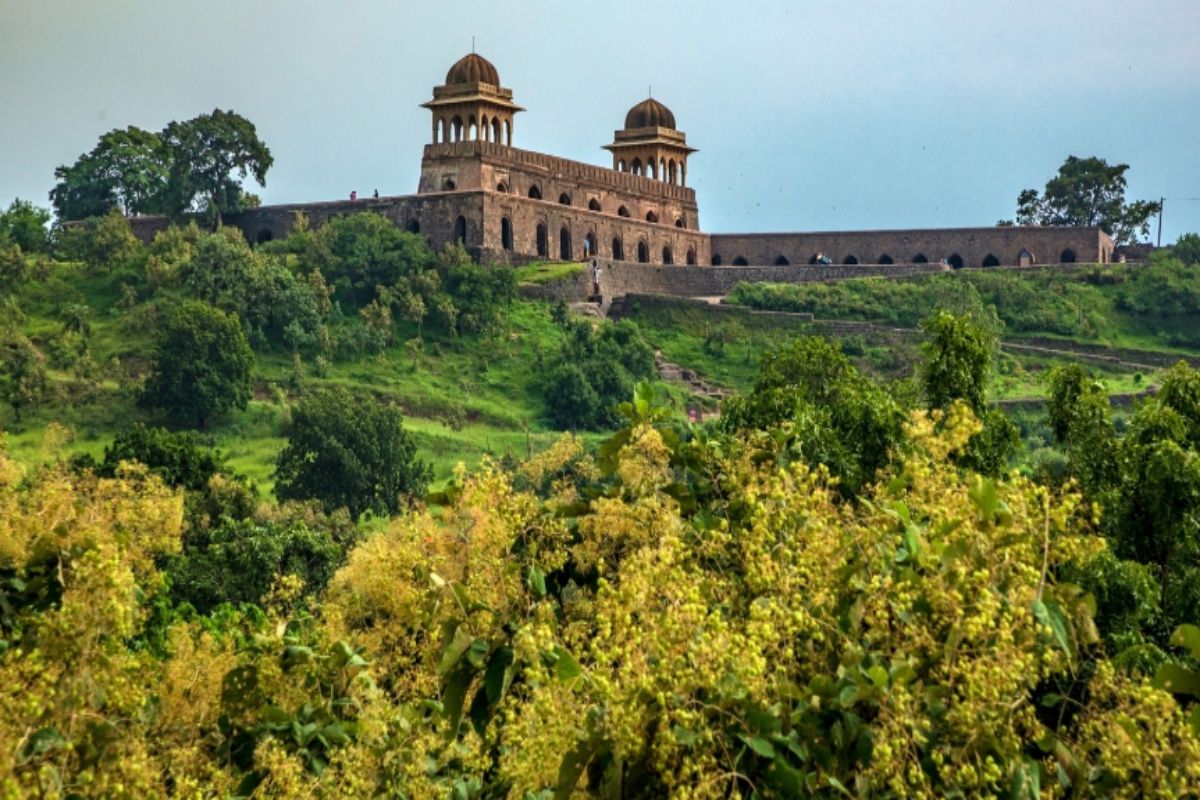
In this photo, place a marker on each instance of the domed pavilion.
(650, 145)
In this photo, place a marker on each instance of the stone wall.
(1045, 245)
(508, 170)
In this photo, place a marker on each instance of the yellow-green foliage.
(567, 630)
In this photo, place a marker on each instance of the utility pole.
(1161, 202)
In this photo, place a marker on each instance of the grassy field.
(469, 397)
(463, 397)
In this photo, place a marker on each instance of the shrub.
(350, 452)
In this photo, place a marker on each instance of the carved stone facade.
(510, 205)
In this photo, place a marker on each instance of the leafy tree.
(22, 374)
(595, 370)
(957, 364)
(350, 452)
(1187, 249)
(24, 225)
(179, 458)
(127, 171)
(105, 243)
(239, 560)
(1081, 419)
(1088, 191)
(359, 252)
(210, 155)
(201, 365)
(14, 269)
(833, 415)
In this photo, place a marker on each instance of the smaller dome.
(472, 68)
(649, 114)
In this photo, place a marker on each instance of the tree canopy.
(350, 452)
(1088, 191)
(201, 366)
(194, 165)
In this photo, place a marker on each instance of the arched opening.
(620, 165)
(635, 166)
(716, 259)
(506, 233)
(850, 260)
(691, 257)
(920, 258)
(541, 244)
(643, 253)
(484, 128)
(496, 130)
(740, 261)
(448, 185)
(651, 216)
(679, 222)
(651, 169)
(440, 134)
(535, 193)
(593, 204)
(1066, 256)
(955, 261)
(1024, 258)
(502, 187)
(507, 133)
(671, 172)
(618, 249)
(622, 212)
(991, 261)
(472, 130)
(413, 226)
(667, 255)
(886, 259)
(460, 230)
(589, 245)
(264, 236)
(456, 129)
(564, 199)
(564, 244)
(781, 261)
(662, 168)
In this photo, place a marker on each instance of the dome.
(649, 114)
(472, 68)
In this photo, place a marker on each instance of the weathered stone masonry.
(509, 205)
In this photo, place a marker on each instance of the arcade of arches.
(508, 204)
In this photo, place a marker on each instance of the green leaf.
(1177, 679)
(453, 697)
(566, 667)
(1051, 615)
(498, 675)
(477, 652)
(459, 640)
(1188, 637)
(759, 745)
(1026, 781)
(537, 580)
(878, 676)
(573, 765)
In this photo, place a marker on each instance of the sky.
(808, 116)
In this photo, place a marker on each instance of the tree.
(201, 365)
(210, 155)
(127, 170)
(24, 225)
(22, 375)
(1187, 249)
(103, 243)
(179, 458)
(1088, 191)
(350, 452)
(957, 362)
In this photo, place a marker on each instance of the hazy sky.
(808, 115)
